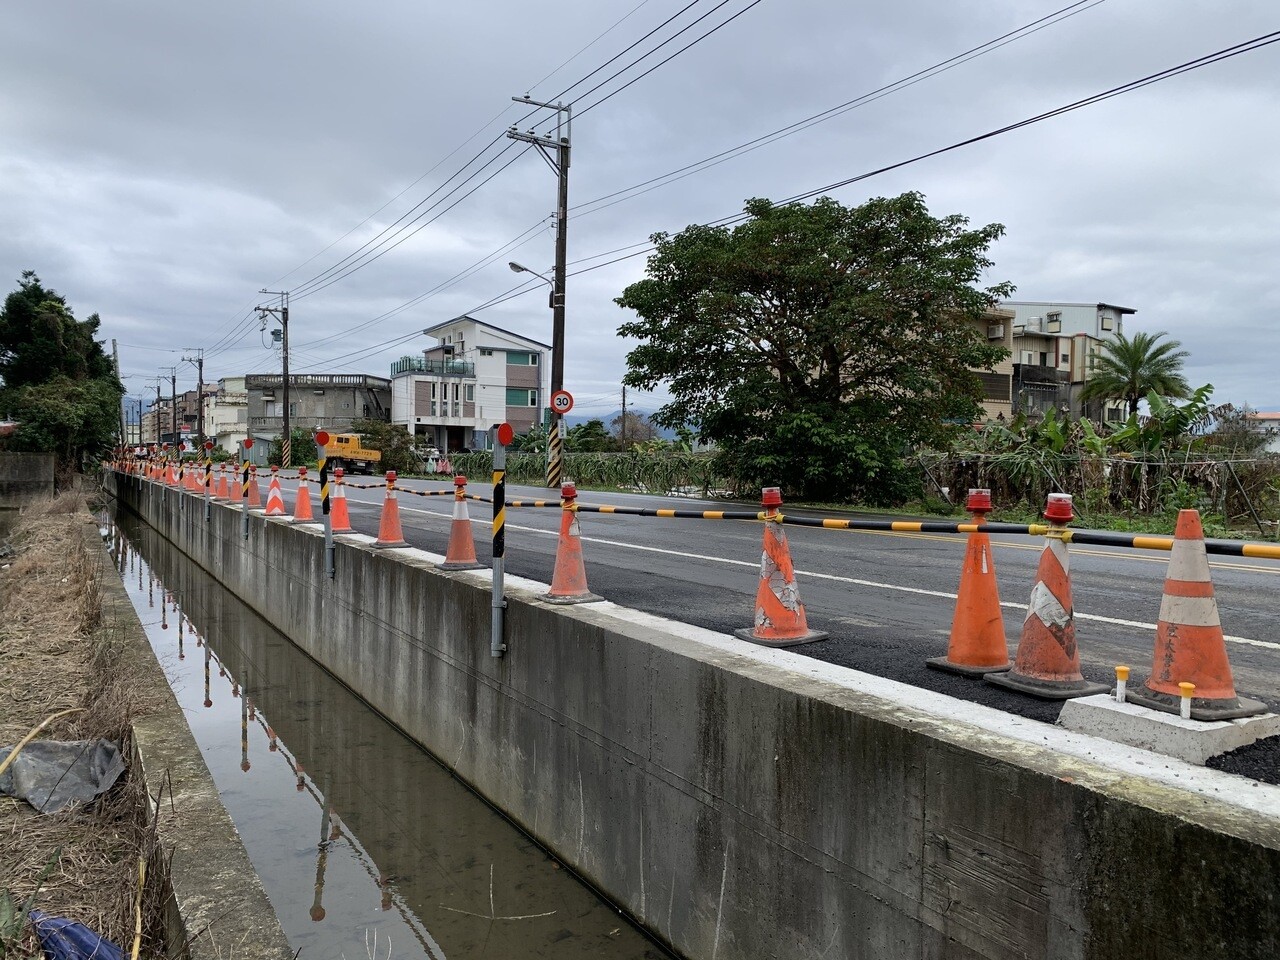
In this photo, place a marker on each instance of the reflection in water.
(415, 860)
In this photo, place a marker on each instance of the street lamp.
(521, 268)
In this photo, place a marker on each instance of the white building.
(1053, 346)
(226, 414)
(476, 377)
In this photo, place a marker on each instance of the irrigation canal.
(365, 843)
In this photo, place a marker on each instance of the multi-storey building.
(226, 414)
(996, 325)
(1054, 344)
(332, 401)
(475, 377)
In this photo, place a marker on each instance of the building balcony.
(433, 368)
(1035, 373)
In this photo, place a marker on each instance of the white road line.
(875, 584)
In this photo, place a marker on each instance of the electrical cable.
(831, 113)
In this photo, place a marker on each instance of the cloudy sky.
(162, 162)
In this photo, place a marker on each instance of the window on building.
(1106, 321)
(1054, 321)
(521, 358)
(455, 393)
(471, 393)
(486, 353)
(521, 397)
(293, 409)
(1044, 359)
(1066, 358)
(433, 389)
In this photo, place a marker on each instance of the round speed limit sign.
(562, 402)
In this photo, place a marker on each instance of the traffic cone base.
(978, 645)
(780, 618)
(1189, 645)
(1048, 662)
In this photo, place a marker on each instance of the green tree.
(590, 437)
(816, 344)
(393, 440)
(1129, 369)
(57, 380)
(302, 449)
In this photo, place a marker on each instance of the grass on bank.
(56, 654)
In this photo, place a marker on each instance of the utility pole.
(115, 363)
(198, 360)
(624, 420)
(157, 417)
(175, 437)
(559, 163)
(281, 313)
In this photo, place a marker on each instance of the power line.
(587, 109)
(598, 38)
(840, 109)
(425, 223)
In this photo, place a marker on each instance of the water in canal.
(359, 835)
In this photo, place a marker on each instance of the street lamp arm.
(521, 268)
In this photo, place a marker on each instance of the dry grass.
(55, 653)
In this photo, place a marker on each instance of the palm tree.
(1129, 369)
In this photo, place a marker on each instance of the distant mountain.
(574, 419)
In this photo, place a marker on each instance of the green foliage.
(1167, 423)
(63, 416)
(663, 472)
(393, 440)
(816, 344)
(57, 380)
(1130, 369)
(535, 441)
(590, 437)
(302, 449)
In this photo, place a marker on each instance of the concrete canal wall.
(745, 803)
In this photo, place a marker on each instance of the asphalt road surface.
(886, 599)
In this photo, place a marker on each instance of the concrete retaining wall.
(746, 803)
(25, 476)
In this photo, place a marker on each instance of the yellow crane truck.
(345, 450)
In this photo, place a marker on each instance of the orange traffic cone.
(339, 518)
(1189, 644)
(389, 532)
(302, 508)
(223, 491)
(275, 499)
(461, 554)
(235, 485)
(978, 645)
(569, 579)
(1048, 660)
(780, 618)
(255, 492)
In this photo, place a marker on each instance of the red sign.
(248, 442)
(505, 434)
(562, 402)
(208, 444)
(322, 438)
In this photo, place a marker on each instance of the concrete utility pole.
(559, 163)
(176, 437)
(198, 360)
(159, 381)
(623, 429)
(281, 313)
(115, 362)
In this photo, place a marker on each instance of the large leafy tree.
(58, 382)
(1130, 368)
(816, 344)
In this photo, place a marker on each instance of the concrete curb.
(215, 902)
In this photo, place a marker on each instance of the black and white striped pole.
(503, 435)
(208, 479)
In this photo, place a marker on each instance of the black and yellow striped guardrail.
(1106, 538)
